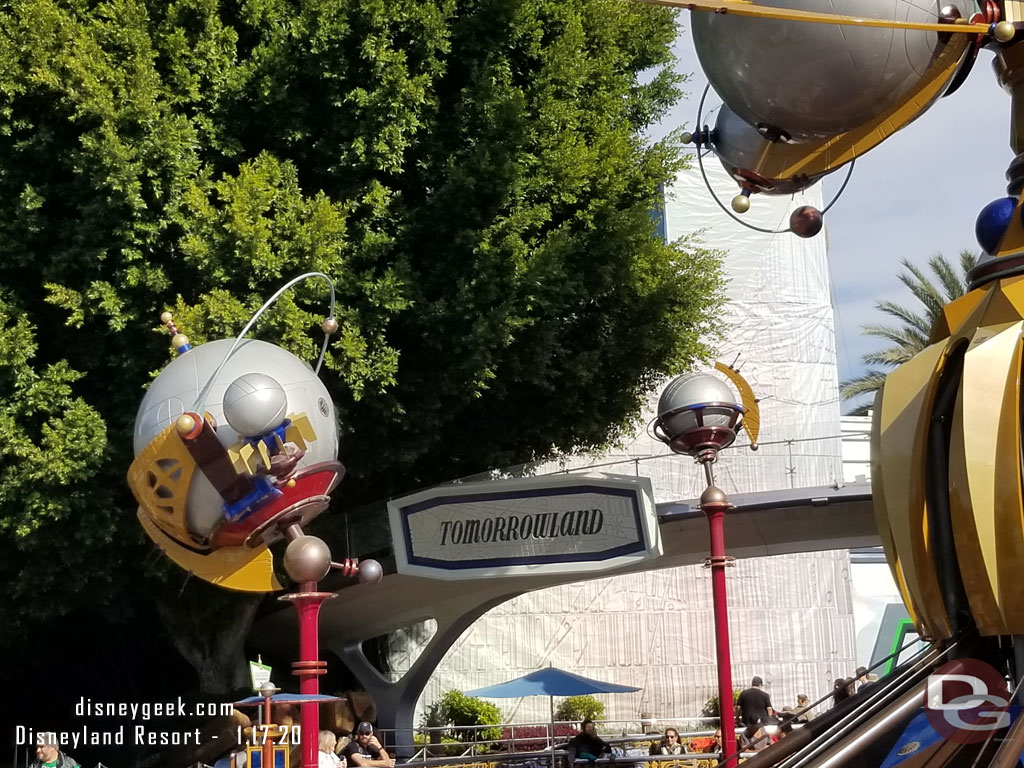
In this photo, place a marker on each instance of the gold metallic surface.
(964, 312)
(906, 406)
(1004, 31)
(746, 8)
(881, 514)
(239, 568)
(741, 203)
(159, 478)
(185, 423)
(983, 463)
(166, 317)
(752, 416)
(179, 340)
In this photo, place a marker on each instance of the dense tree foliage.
(470, 173)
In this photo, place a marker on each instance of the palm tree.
(910, 335)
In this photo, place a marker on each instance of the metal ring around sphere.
(730, 214)
(201, 397)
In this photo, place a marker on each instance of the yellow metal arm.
(744, 8)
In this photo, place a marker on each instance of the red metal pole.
(308, 668)
(714, 505)
(268, 742)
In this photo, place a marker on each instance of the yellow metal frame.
(984, 479)
(239, 568)
(160, 478)
(749, 9)
(752, 417)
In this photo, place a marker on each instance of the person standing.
(754, 704)
(49, 756)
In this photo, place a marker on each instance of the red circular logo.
(966, 700)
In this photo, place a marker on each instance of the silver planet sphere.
(307, 558)
(698, 412)
(814, 81)
(254, 404)
(370, 572)
(175, 390)
(739, 146)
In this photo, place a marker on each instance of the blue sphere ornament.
(992, 223)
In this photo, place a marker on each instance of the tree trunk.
(208, 626)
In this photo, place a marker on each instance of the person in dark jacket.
(587, 745)
(48, 755)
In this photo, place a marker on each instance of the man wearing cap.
(366, 750)
(49, 756)
(755, 706)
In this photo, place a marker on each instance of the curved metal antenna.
(200, 402)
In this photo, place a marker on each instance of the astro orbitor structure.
(807, 88)
(810, 87)
(236, 445)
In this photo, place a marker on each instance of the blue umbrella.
(549, 681)
(286, 698)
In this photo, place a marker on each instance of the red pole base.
(308, 668)
(715, 512)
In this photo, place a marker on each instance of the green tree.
(910, 334)
(471, 174)
(464, 713)
(575, 709)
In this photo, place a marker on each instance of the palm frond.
(864, 384)
(910, 334)
(953, 282)
(904, 315)
(911, 338)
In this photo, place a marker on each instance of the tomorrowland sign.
(560, 524)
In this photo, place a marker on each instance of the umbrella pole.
(551, 734)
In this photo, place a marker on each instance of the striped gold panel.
(985, 479)
(903, 427)
(881, 513)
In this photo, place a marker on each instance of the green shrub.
(711, 705)
(577, 708)
(460, 711)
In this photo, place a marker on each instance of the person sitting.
(803, 702)
(754, 738)
(716, 743)
(842, 689)
(327, 757)
(366, 750)
(587, 745)
(670, 743)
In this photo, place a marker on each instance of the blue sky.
(915, 195)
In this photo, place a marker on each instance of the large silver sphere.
(254, 404)
(307, 558)
(697, 412)
(814, 81)
(174, 392)
(739, 146)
